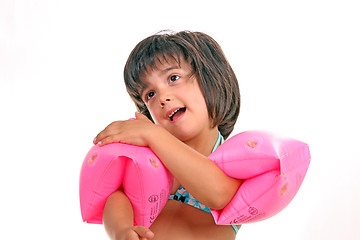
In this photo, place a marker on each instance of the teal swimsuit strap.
(219, 141)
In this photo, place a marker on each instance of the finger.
(100, 137)
(143, 232)
(109, 130)
(110, 139)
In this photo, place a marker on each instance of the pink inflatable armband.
(274, 168)
(146, 182)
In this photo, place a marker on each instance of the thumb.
(143, 232)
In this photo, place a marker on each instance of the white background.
(61, 66)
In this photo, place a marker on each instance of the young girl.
(188, 100)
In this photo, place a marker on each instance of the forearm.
(118, 214)
(198, 174)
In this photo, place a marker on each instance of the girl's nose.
(164, 97)
(164, 101)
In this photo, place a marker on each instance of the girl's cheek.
(150, 106)
(152, 111)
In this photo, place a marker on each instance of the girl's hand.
(135, 233)
(132, 132)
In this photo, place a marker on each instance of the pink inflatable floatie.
(274, 168)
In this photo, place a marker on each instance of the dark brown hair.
(215, 75)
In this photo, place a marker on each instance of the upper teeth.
(172, 114)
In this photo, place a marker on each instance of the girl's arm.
(118, 218)
(199, 175)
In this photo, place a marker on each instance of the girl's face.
(175, 101)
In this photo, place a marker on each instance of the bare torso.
(181, 221)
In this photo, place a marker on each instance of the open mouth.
(177, 113)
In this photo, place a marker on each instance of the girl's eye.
(149, 95)
(173, 78)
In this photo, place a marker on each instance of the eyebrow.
(164, 71)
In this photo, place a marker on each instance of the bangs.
(148, 57)
(154, 63)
